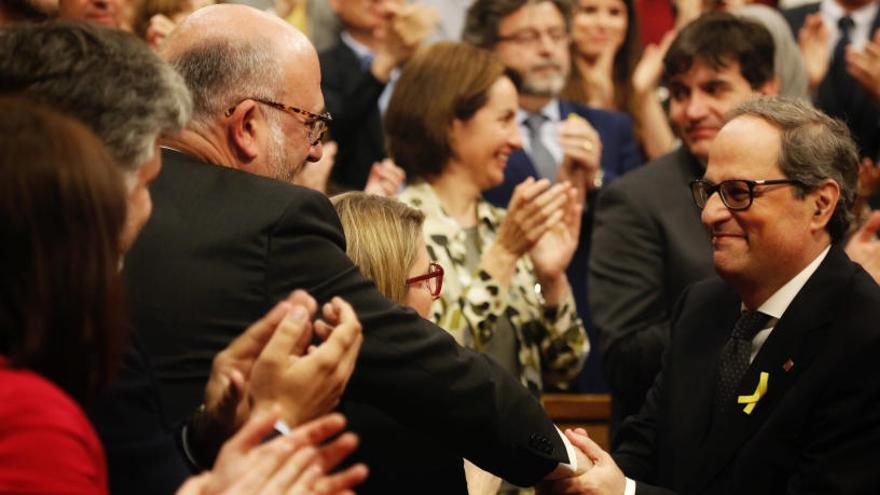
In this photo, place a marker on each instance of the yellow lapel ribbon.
(752, 400)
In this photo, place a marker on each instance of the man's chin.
(545, 87)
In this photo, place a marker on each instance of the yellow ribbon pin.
(751, 400)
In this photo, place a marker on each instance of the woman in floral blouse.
(451, 125)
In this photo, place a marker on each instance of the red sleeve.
(47, 446)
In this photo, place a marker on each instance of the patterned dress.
(550, 342)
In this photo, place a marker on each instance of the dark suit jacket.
(352, 96)
(620, 154)
(143, 451)
(223, 246)
(858, 110)
(817, 428)
(648, 245)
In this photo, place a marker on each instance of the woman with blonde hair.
(384, 239)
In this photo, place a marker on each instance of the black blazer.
(223, 246)
(858, 110)
(648, 244)
(817, 429)
(352, 97)
(144, 452)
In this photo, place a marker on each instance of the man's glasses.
(533, 37)
(316, 124)
(736, 194)
(433, 280)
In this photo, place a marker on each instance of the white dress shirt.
(862, 18)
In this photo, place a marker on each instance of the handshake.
(596, 473)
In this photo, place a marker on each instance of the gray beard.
(550, 87)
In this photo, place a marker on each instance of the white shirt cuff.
(570, 452)
(630, 488)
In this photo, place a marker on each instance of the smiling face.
(599, 25)
(767, 244)
(701, 97)
(483, 143)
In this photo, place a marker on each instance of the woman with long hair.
(610, 71)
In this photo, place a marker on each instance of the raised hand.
(864, 66)
(306, 384)
(290, 464)
(225, 407)
(158, 29)
(813, 42)
(534, 208)
(582, 153)
(315, 175)
(385, 179)
(864, 247)
(553, 251)
(406, 27)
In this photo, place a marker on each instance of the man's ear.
(770, 88)
(242, 128)
(823, 200)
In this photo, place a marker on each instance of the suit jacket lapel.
(797, 337)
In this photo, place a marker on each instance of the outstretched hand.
(603, 478)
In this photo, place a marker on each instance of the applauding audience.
(63, 328)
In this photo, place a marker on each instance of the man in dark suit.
(563, 140)
(648, 244)
(829, 28)
(358, 75)
(770, 384)
(76, 67)
(226, 240)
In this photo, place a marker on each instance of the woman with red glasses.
(384, 239)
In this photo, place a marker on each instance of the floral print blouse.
(551, 341)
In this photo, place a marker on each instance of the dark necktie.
(544, 162)
(734, 360)
(844, 85)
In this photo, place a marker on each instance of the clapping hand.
(864, 66)
(813, 42)
(291, 464)
(535, 207)
(385, 179)
(582, 153)
(553, 251)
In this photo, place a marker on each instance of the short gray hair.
(484, 17)
(815, 147)
(220, 72)
(107, 79)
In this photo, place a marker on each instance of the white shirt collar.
(550, 110)
(862, 20)
(359, 49)
(776, 305)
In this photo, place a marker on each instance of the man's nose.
(715, 211)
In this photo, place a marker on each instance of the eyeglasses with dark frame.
(736, 194)
(317, 124)
(433, 280)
